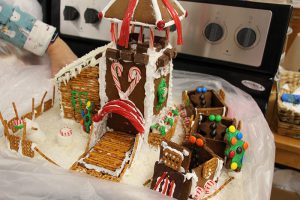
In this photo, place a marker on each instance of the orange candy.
(245, 145)
(199, 142)
(81, 121)
(233, 141)
(192, 139)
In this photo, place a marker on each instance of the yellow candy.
(88, 104)
(233, 166)
(232, 129)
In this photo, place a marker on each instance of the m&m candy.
(231, 154)
(199, 90)
(192, 139)
(239, 136)
(211, 118)
(232, 129)
(199, 142)
(233, 166)
(245, 145)
(233, 141)
(218, 118)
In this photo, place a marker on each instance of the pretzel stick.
(218, 190)
(1, 118)
(44, 156)
(43, 98)
(32, 108)
(15, 109)
(24, 132)
(53, 96)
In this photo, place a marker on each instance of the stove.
(240, 41)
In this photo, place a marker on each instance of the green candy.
(212, 118)
(175, 112)
(218, 118)
(161, 93)
(162, 130)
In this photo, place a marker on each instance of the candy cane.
(65, 132)
(116, 71)
(134, 76)
(209, 186)
(18, 122)
(199, 193)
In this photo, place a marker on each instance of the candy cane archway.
(126, 109)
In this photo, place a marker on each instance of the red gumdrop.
(161, 25)
(231, 154)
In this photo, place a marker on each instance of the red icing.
(124, 36)
(100, 15)
(176, 20)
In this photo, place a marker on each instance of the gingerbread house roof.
(145, 13)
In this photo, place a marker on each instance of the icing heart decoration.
(134, 77)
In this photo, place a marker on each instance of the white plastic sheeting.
(23, 178)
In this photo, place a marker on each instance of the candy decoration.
(19, 123)
(212, 118)
(65, 131)
(199, 142)
(112, 32)
(213, 133)
(213, 126)
(239, 150)
(210, 186)
(199, 90)
(140, 39)
(176, 19)
(162, 92)
(80, 96)
(245, 146)
(187, 121)
(160, 25)
(192, 139)
(116, 71)
(200, 193)
(127, 109)
(204, 89)
(151, 43)
(100, 16)
(233, 141)
(239, 136)
(124, 36)
(218, 118)
(232, 129)
(134, 76)
(231, 154)
(234, 166)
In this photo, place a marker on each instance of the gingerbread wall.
(86, 81)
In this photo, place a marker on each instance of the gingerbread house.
(117, 90)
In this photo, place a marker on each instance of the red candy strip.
(124, 36)
(112, 32)
(160, 180)
(176, 20)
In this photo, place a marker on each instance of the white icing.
(186, 153)
(218, 170)
(165, 146)
(156, 11)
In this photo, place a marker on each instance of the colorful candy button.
(231, 154)
(233, 166)
(239, 136)
(199, 90)
(192, 139)
(212, 118)
(233, 141)
(232, 129)
(199, 142)
(218, 118)
(239, 150)
(204, 89)
(245, 145)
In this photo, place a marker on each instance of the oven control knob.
(213, 32)
(71, 13)
(246, 37)
(91, 16)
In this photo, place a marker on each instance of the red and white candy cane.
(116, 72)
(65, 132)
(199, 193)
(210, 186)
(187, 121)
(134, 76)
(18, 122)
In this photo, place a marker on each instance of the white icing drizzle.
(165, 146)
(218, 170)
(102, 81)
(156, 10)
(107, 7)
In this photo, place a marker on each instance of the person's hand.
(60, 55)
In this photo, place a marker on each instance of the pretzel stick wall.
(15, 109)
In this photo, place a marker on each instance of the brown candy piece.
(112, 53)
(142, 48)
(171, 53)
(126, 55)
(162, 61)
(141, 58)
(158, 47)
(99, 55)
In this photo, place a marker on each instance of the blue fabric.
(5, 12)
(15, 25)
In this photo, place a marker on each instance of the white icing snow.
(218, 170)
(51, 123)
